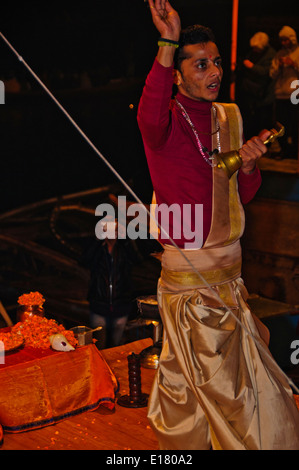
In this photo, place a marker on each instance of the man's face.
(201, 72)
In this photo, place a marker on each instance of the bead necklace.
(203, 150)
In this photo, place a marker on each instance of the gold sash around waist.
(216, 265)
(192, 279)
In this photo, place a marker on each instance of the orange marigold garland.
(33, 298)
(10, 341)
(36, 332)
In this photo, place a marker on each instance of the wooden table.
(121, 429)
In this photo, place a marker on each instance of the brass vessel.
(230, 162)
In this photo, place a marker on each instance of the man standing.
(216, 384)
(285, 72)
(257, 88)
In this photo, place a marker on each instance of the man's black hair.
(196, 34)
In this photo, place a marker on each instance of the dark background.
(113, 44)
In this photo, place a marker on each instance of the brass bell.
(230, 162)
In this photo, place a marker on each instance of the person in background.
(284, 71)
(110, 262)
(257, 88)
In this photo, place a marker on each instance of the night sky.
(113, 44)
(80, 35)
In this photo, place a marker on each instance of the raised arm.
(153, 112)
(168, 23)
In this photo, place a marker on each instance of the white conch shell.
(60, 343)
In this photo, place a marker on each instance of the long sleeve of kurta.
(178, 171)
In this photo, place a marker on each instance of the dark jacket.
(257, 83)
(110, 288)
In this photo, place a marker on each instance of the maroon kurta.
(178, 171)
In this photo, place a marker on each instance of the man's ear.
(177, 77)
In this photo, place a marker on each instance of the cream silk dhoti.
(217, 384)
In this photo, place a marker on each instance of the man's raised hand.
(166, 19)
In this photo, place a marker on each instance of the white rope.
(128, 188)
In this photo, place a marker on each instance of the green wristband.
(167, 42)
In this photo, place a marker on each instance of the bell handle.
(275, 133)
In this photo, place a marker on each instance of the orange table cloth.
(41, 387)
